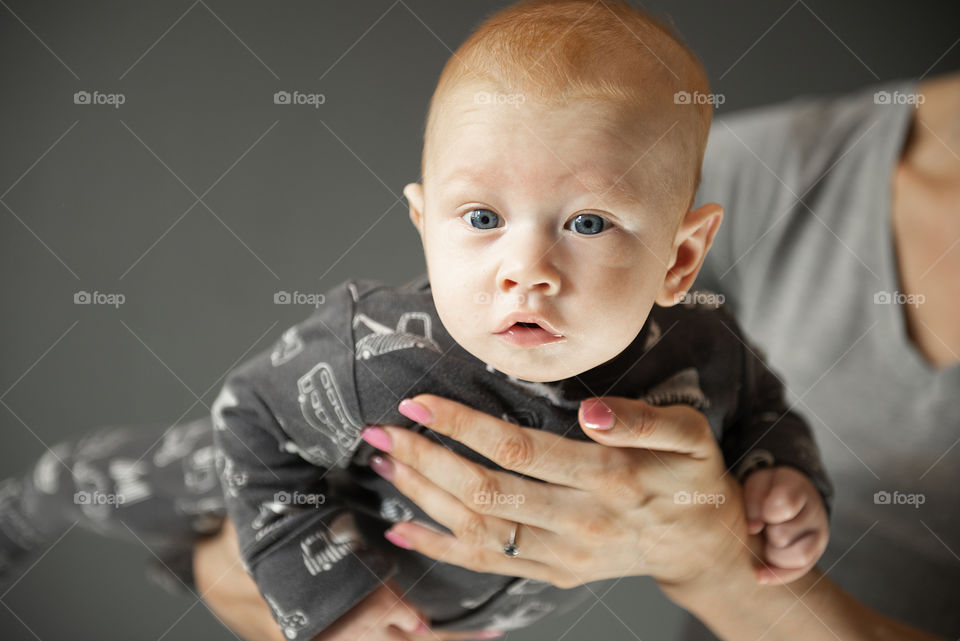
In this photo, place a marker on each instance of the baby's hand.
(782, 503)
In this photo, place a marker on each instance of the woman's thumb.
(626, 422)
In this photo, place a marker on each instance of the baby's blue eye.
(483, 218)
(589, 224)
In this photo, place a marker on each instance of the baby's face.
(541, 211)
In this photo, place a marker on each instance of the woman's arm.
(813, 607)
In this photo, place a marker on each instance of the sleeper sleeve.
(276, 441)
(766, 431)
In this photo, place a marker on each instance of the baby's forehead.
(496, 113)
(592, 173)
(598, 143)
(469, 99)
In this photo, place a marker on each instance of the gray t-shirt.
(805, 258)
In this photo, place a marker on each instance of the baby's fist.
(782, 503)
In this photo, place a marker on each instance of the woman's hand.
(658, 503)
(230, 593)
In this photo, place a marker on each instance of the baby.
(561, 156)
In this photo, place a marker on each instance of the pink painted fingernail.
(422, 628)
(490, 634)
(596, 414)
(397, 540)
(382, 466)
(377, 437)
(415, 411)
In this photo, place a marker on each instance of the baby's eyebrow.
(472, 176)
(614, 190)
(591, 181)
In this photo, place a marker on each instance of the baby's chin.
(531, 376)
(534, 365)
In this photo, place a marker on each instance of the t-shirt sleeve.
(753, 167)
(276, 441)
(761, 165)
(765, 431)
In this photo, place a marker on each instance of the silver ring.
(510, 547)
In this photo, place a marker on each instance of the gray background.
(101, 199)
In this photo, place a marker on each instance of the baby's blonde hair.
(553, 51)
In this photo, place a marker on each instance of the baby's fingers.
(800, 553)
(793, 548)
(790, 491)
(755, 490)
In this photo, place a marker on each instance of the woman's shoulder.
(766, 162)
(814, 121)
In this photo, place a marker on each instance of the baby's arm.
(301, 547)
(786, 489)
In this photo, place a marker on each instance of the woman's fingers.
(638, 424)
(533, 452)
(470, 528)
(672, 429)
(477, 489)
(490, 558)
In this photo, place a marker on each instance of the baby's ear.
(690, 246)
(414, 194)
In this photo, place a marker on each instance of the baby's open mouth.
(528, 334)
(527, 323)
